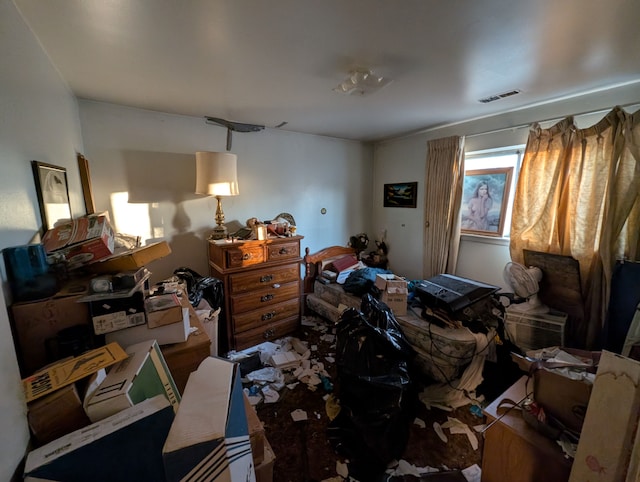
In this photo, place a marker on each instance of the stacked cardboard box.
(263, 456)
(209, 439)
(393, 292)
(125, 446)
(81, 240)
(143, 374)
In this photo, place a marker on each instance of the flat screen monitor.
(452, 293)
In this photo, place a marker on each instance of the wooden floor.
(303, 449)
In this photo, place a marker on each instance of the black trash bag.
(378, 397)
(199, 287)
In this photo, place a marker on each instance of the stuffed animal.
(359, 242)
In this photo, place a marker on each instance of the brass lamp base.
(219, 232)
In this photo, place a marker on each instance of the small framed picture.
(400, 195)
(53, 193)
(484, 201)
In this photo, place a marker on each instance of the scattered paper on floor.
(341, 469)
(455, 426)
(298, 415)
(472, 473)
(438, 429)
(270, 395)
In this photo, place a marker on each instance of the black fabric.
(199, 287)
(361, 281)
(624, 299)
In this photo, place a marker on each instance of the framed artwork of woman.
(484, 201)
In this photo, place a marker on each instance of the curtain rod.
(504, 129)
(555, 119)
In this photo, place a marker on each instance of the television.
(452, 293)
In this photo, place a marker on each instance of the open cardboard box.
(210, 435)
(564, 398)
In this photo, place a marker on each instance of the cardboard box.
(256, 432)
(144, 374)
(515, 451)
(125, 446)
(81, 240)
(132, 259)
(393, 292)
(210, 434)
(609, 446)
(163, 310)
(69, 371)
(264, 470)
(184, 358)
(56, 414)
(164, 335)
(564, 398)
(117, 313)
(36, 325)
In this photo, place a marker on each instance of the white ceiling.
(272, 61)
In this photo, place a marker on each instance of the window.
(499, 159)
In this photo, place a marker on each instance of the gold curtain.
(444, 175)
(578, 195)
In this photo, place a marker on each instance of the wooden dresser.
(262, 288)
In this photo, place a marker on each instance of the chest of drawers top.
(229, 257)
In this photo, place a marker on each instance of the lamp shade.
(216, 174)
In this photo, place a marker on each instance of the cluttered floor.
(299, 412)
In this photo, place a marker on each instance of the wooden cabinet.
(262, 288)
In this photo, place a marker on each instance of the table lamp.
(216, 175)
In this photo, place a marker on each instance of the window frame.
(474, 156)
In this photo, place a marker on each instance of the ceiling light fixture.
(361, 82)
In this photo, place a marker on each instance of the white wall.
(403, 159)
(38, 121)
(151, 156)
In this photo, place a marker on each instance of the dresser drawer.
(266, 315)
(261, 334)
(244, 255)
(262, 288)
(266, 297)
(263, 278)
(281, 251)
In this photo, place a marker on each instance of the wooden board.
(560, 285)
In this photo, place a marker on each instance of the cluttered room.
(364, 375)
(265, 242)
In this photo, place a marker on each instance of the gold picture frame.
(485, 197)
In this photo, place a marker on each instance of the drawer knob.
(267, 297)
(276, 285)
(269, 333)
(268, 316)
(266, 278)
(246, 256)
(283, 251)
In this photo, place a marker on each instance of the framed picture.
(400, 195)
(53, 193)
(484, 201)
(85, 180)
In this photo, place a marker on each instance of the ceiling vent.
(492, 98)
